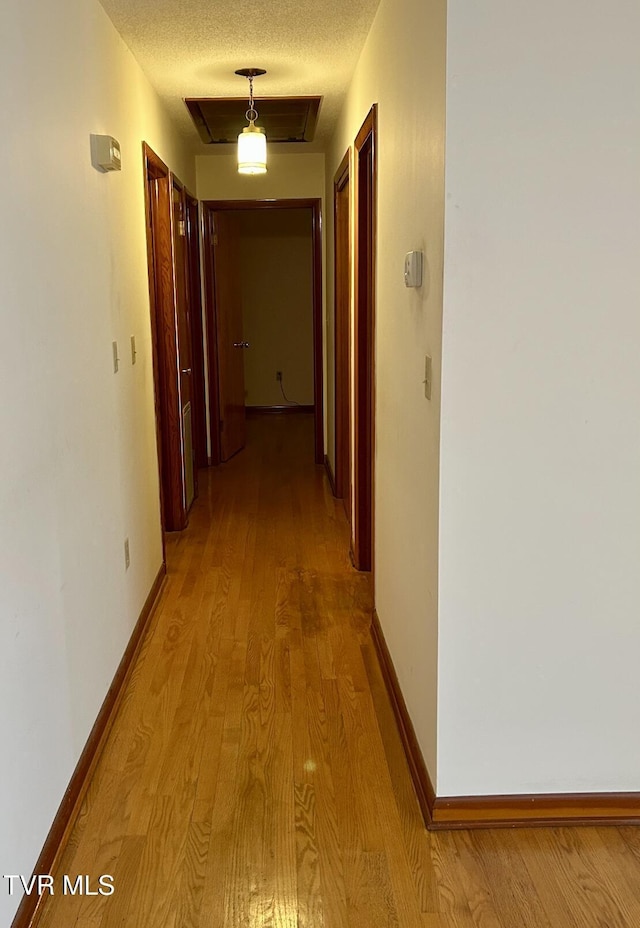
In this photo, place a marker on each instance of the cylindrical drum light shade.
(252, 151)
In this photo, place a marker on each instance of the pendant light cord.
(252, 114)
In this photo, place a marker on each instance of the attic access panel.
(220, 120)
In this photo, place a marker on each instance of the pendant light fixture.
(252, 142)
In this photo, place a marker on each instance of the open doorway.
(263, 274)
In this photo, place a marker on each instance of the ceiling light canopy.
(252, 141)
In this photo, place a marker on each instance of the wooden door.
(230, 342)
(364, 348)
(159, 216)
(342, 249)
(183, 327)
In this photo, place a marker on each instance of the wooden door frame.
(211, 206)
(342, 345)
(194, 278)
(186, 272)
(211, 341)
(364, 345)
(163, 341)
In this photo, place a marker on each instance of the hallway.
(245, 779)
(254, 776)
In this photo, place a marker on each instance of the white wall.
(408, 327)
(288, 176)
(277, 304)
(78, 457)
(540, 486)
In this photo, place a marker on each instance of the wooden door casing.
(173, 257)
(194, 283)
(364, 347)
(342, 333)
(158, 203)
(183, 330)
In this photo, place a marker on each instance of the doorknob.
(241, 344)
(186, 370)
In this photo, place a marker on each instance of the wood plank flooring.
(254, 777)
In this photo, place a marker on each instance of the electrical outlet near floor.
(127, 558)
(279, 376)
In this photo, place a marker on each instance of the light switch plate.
(427, 377)
(413, 269)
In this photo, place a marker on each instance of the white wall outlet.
(116, 359)
(427, 377)
(127, 558)
(133, 349)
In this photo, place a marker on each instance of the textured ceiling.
(191, 48)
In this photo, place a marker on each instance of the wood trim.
(153, 168)
(365, 239)
(154, 165)
(267, 117)
(318, 367)
(277, 410)
(342, 174)
(536, 810)
(159, 221)
(197, 332)
(30, 907)
(342, 338)
(330, 477)
(301, 203)
(211, 315)
(524, 811)
(422, 783)
(209, 208)
(181, 304)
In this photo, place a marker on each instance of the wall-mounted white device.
(105, 153)
(413, 269)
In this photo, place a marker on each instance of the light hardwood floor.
(254, 776)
